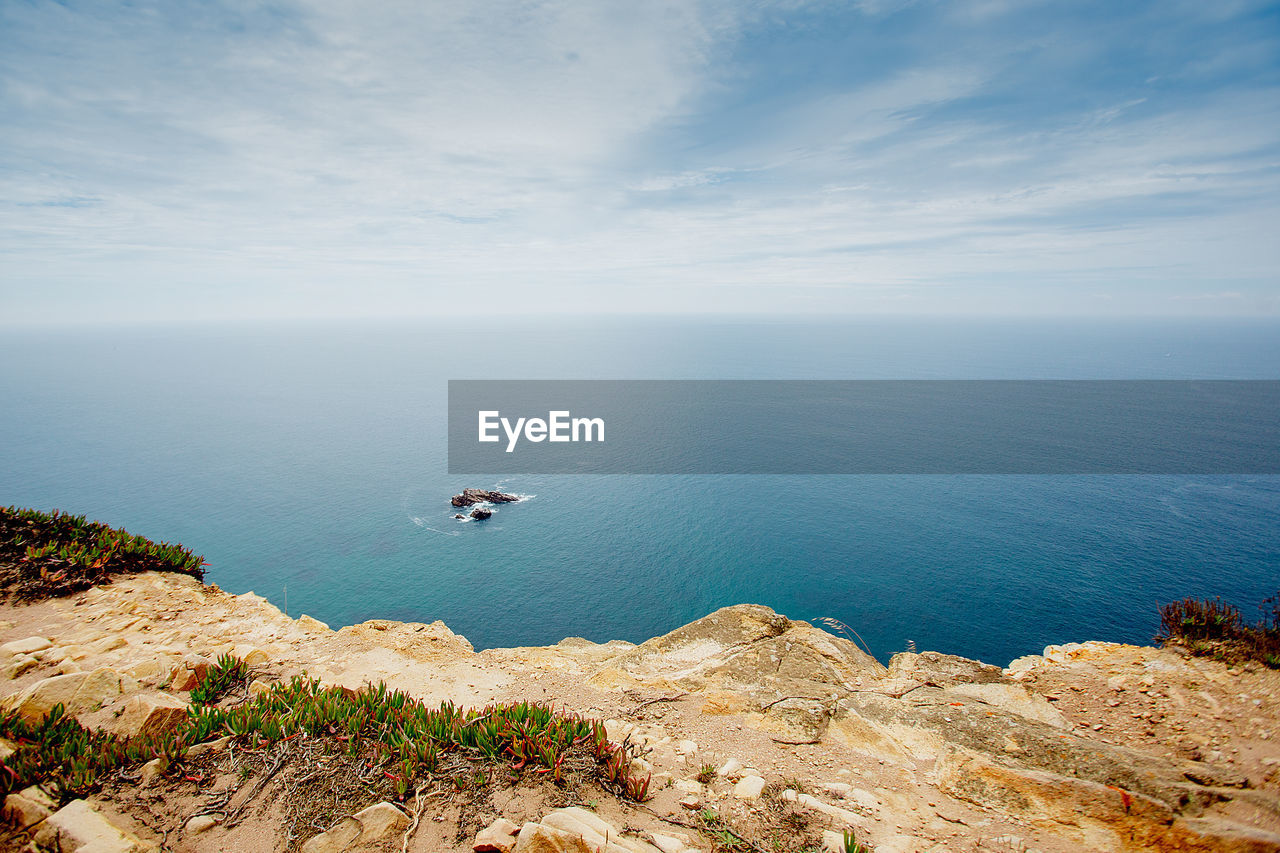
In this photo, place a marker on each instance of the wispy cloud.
(310, 158)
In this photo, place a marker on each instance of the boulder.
(480, 513)
(479, 496)
(76, 826)
(150, 714)
(939, 670)
(27, 807)
(77, 692)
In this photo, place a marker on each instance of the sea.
(307, 462)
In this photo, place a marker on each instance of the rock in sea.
(478, 496)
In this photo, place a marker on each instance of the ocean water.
(307, 462)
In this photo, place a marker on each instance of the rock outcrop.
(742, 715)
(480, 496)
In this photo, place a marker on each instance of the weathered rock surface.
(373, 825)
(1093, 746)
(150, 713)
(76, 692)
(497, 837)
(77, 827)
(477, 496)
(480, 513)
(27, 807)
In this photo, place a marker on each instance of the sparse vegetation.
(227, 673)
(852, 845)
(396, 740)
(44, 555)
(706, 774)
(1213, 628)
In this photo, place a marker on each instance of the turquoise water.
(313, 457)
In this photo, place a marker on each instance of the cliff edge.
(748, 722)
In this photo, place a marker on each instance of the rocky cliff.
(749, 722)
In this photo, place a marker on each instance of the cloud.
(312, 158)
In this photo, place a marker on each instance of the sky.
(209, 160)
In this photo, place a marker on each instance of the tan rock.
(149, 772)
(108, 644)
(27, 807)
(671, 843)
(718, 702)
(305, 621)
(832, 842)
(152, 671)
(150, 714)
(76, 692)
(808, 801)
(259, 686)
(18, 665)
(336, 839)
(217, 745)
(749, 788)
(77, 827)
(731, 769)
(380, 821)
(536, 838)
(796, 721)
(27, 646)
(200, 823)
(254, 657)
(497, 837)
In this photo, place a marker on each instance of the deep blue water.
(314, 457)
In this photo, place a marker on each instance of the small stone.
(730, 769)
(255, 657)
(497, 837)
(670, 843)
(196, 750)
(690, 802)
(149, 772)
(200, 823)
(258, 687)
(832, 842)
(749, 788)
